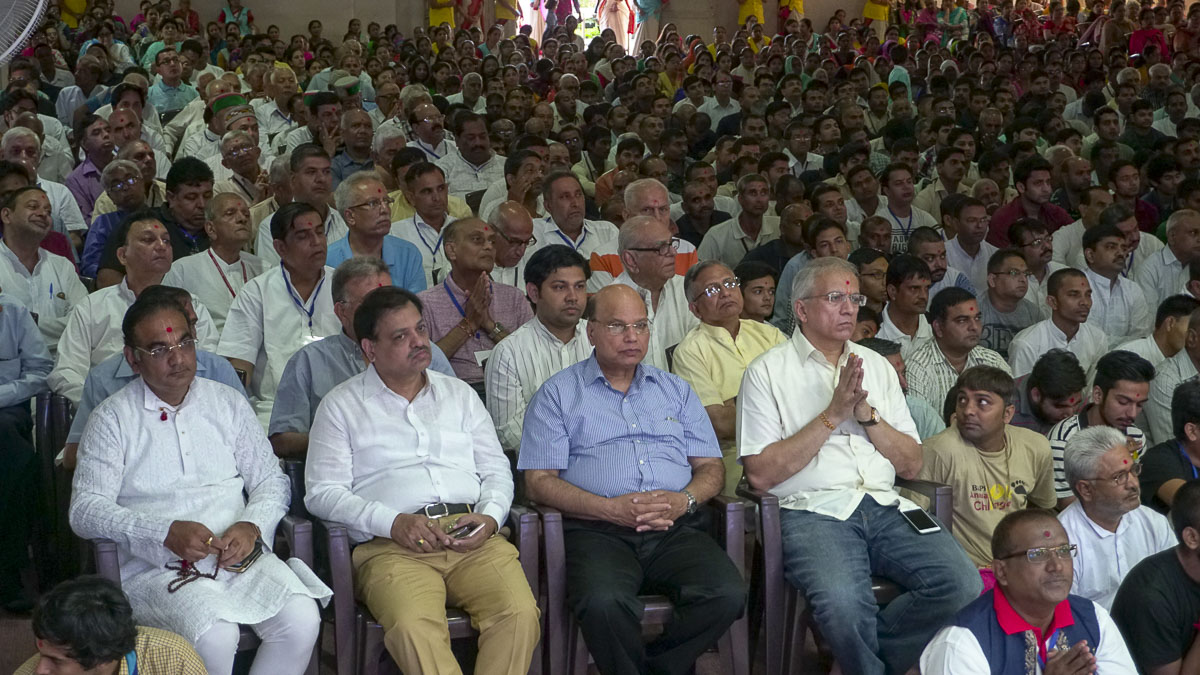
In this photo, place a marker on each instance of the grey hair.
(281, 169)
(17, 133)
(630, 229)
(235, 135)
(689, 279)
(210, 207)
(1085, 448)
(108, 176)
(358, 267)
(806, 278)
(473, 75)
(411, 94)
(342, 195)
(1177, 216)
(635, 190)
(384, 134)
(1158, 68)
(1129, 75)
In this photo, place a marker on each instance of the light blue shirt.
(611, 443)
(402, 258)
(113, 373)
(165, 98)
(24, 360)
(783, 316)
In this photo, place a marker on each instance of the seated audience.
(1169, 375)
(1119, 307)
(1050, 393)
(1069, 296)
(365, 206)
(903, 318)
(1171, 324)
(1003, 306)
(757, 282)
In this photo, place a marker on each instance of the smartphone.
(249, 559)
(922, 522)
(466, 531)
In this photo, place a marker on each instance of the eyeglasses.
(238, 152)
(838, 297)
(160, 352)
(432, 119)
(1036, 242)
(665, 248)
(1014, 272)
(513, 241)
(376, 204)
(712, 290)
(1123, 477)
(616, 328)
(123, 186)
(1041, 555)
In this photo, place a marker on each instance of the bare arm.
(708, 478)
(454, 340)
(1166, 491)
(545, 487)
(724, 419)
(899, 448)
(789, 456)
(289, 444)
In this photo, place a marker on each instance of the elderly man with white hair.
(274, 118)
(22, 146)
(645, 197)
(240, 161)
(387, 141)
(471, 94)
(1108, 522)
(411, 96)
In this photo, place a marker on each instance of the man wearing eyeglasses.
(170, 93)
(240, 161)
(429, 136)
(177, 470)
(1108, 522)
(626, 452)
(832, 455)
(969, 250)
(1030, 621)
(1004, 309)
(366, 207)
(514, 239)
(713, 356)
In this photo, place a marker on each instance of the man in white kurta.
(174, 468)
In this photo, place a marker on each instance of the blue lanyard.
(905, 230)
(426, 149)
(432, 249)
(296, 298)
(568, 241)
(131, 662)
(1051, 641)
(1187, 460)
(461, 312)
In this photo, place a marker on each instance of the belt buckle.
(445, 511)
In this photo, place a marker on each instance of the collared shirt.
(512, 276)
(956, 649)
(518, 367)
(183, 242)
(433, 152)
(1134, 262)
(64, 210)
(295, 138)
(402, 258)
(85, 187)
(1038, 291)
(588, 173)
(315, 370)
(1000, 327)
(606, 264)
(213, 280)
(1161, 276)
(930, 197)
(167, 98)
(374, 455)
(847, 467)
(974, 266)
(1118, 308)
(612, 443)
(1147, 348)
(50, 291)
(112, 374)
(272, 121)
(158, 651)
(238, 185)
(264, 248)
(463, 177)
(931, 377)
(729, 243)
(1105, 557)
(989, 485)
(1068, 244)
(784, 317)
(1167, 376)
(428, 241)
(717, 112)
(445, 306)
(1088, 345)
(908, 343)
(270, 302)
(1062, 432)
(902, 227)
(344, 165)
(202, 145)
(93, 333)
(1053, 217)
(402, 210)
(671, 321)
(104, 204)
(592, 236)
(24, 361)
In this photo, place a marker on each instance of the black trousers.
(17, 477)
(609, 566)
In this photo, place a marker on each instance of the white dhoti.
(614, 14)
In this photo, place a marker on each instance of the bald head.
(615, 299)
(514, 229)
(618, 329)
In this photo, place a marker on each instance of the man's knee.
(723, 595)
(300, 619)
(605, 604)
(220, 640)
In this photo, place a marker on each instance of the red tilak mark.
(1046, 534)
(1124, 461)
(1071, 400)
(168, 329)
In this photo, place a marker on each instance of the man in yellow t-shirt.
(993, 467)
(713, 356)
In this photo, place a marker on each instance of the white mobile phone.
(922, 522)
(466, 531)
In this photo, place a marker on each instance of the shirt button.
(641, 461)
(633, 425)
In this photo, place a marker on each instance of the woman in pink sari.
(927, 18)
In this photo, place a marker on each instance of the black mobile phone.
(922, 522)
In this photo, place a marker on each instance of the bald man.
(514, 236)
(632, 518)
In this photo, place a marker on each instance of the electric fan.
(18, 20)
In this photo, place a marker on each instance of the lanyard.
(219, 271)
(1043, 651)
(308, 311)
(1187, 460)
(428, 150)
(461, 312)
(568, 241)
(433, 250)
(905, 230)
(192, 239)
(131, 662)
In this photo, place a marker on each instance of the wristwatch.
(872, 421)
(691, 507)
(497, 329)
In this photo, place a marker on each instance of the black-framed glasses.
(124, 185)
(1122, 477)
(162, 351)
(1041, 555)
(838, 297)
(513, 241)
(375, 204)
(1014, 272)
(664, 248)
(712, 290)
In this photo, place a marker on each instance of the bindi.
(168, 329)
(1046, 533)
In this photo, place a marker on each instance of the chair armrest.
(730, 514)
(554, 584)
(294, 470)
(334, 543)
(299, 535)
(108, 566)
(523, 523)
(941, 498)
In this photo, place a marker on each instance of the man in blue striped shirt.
(627, 453)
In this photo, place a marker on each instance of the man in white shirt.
(408, 460)
(470, 96)
(471, 165)
(967, 250)
(46, 283)
(1108, 522)
(832, 457)
(556, 283)
(217, 275)
(647, 252)
(93, 330)
(174, 469)
(274, 118)
(1033, 240)
(514, 237)
(324, 118)
(312, 184)
(1165, 272)
(731, 240)
(1033, 564)
(428, 135)
(1171, 324)
(908, 282)
(279, 312)
(1070, 298)
(643, 197)
(424, 185)
(22, 146)
(1168, 376)
(562, 193)
(1068, 240)
(1120, 308)
(722, 103)
(951, 169)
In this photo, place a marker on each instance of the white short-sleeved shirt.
(729, 243)
(213, 280)
(974, 267)
(463, 177)
(908, 343)
(50, 291)
(591, 239)
(64, 210)
(1119, 308)
(1088, 345)
(1104, 557)
(264, 247)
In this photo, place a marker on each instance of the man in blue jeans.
(826, 429)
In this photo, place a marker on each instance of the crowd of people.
(481, 265)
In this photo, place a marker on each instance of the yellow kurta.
(441, 15)
(748, 9)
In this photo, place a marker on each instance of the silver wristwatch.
(691, 507)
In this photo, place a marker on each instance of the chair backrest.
(294, 469)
